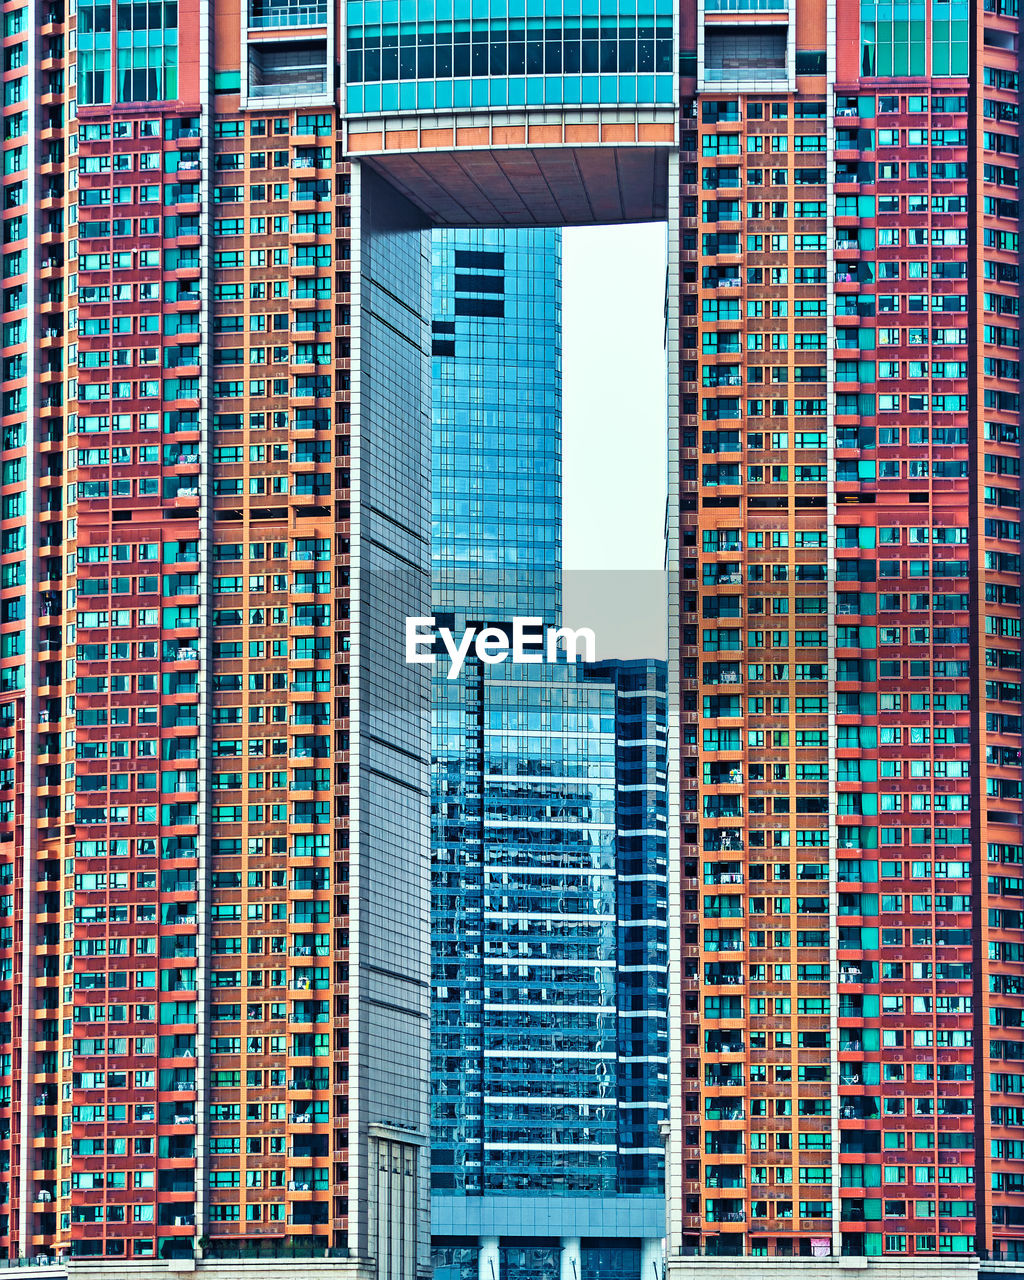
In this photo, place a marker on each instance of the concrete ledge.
(966, 1268)
(208, 1269)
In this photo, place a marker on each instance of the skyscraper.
(548, 842)
(209, 559)
(496, 388)
(849, 416)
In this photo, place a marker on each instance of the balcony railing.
(751, 71)
(288, 15)
(302, 81)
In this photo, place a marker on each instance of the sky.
(614, 432)
(614, 380)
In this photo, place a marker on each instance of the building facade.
(849, 442)
(496, 404)
(550, 975)
(193, 773)
(549, 998)
(191, 198)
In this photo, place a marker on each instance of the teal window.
(915, 38)
(949, 38)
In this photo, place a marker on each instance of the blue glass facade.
(436, 55)
(642, 938)
(496, 535)
(525, 960)
(549, 1022)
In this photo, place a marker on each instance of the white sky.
(614, 432)
(613, 468)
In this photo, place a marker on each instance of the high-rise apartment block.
(549, 996)
(215, 518)
(849, 447)
(216, 1009)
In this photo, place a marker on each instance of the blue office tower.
(496, 537)
(642, 940)
(549, 1044)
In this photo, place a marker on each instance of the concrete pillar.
(652, 1259)
(489, 1259)
(572, 1259)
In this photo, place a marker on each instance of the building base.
(963, 1268)
(202, 1269)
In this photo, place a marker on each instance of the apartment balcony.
(731, 841)
(717, 975)
(726, 1215)
(287, 70)
(853, 974)
(266, 15)
(725, 674)
(715, 1079)
(171, 1215)
(854, 173)
(745, 43)
(856, 1108)
(187, 273)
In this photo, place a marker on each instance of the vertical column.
(30, 742)
(681, 536)
(489, 1259)
(571, 1259)
(902, 496)
(830, 572)
(389, 889)
(673, 814)
(763, 594)
(131, 667)
(204, 712)
(279, 732)
(652, 1259)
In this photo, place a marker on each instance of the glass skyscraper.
(549, 1046)
(497, 431)
(641, 941)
